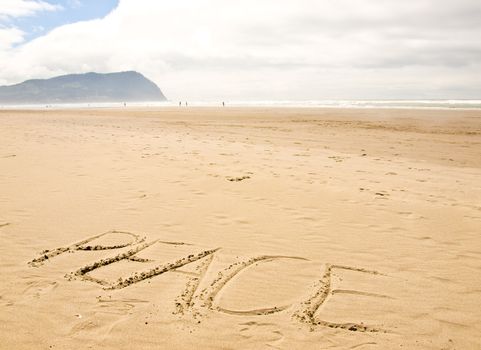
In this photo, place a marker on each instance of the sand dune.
(240, 228)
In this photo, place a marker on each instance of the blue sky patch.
(70, 11)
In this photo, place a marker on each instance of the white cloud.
(23, 8)
(272, 49)
(9, 37)
(13, 9)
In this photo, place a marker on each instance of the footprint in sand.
(261, 332)
(37, 289)
(382, 194)
(237, 179)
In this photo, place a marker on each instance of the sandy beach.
(240, 228)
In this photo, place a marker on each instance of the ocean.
(406, 104)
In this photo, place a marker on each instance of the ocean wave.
(406, 104)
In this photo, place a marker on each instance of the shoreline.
(463, 105)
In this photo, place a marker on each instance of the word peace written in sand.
(198, 300)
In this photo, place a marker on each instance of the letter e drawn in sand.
(323, 291)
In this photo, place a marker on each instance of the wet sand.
(240, 228)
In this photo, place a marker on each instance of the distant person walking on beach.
(180, 103)
(223, 104)
(186, 103)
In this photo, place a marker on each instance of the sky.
(253, 49)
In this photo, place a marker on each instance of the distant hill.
(77, 88)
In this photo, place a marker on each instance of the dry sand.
(240, 229)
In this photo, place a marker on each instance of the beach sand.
(240, 228)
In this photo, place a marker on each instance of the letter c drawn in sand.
(224, 277)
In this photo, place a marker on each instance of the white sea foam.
(406, 104)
